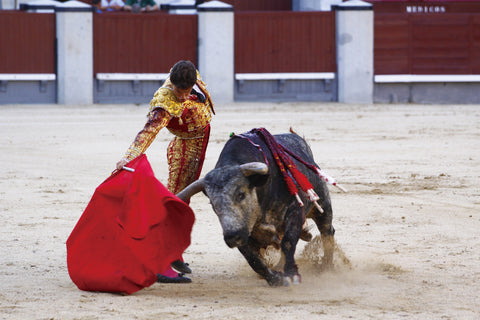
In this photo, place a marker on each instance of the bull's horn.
(193, 188)
(253, 168)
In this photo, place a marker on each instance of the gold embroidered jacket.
(184, 120)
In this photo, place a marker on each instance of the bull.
(255, 208)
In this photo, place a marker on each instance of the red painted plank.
(284, 42)
(27, 42)
(146, 43)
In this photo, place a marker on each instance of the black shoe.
(180, 279)
(180, 266)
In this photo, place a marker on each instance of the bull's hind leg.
(324, 225)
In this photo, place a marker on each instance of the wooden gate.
(267, 42)
(27, 42)
(143, 43)
(427, 38)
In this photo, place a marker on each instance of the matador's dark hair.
(183, 74)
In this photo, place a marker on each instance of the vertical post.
(354, 38)
(74, 25)
(215, 49)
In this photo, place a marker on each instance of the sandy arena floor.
(407, 231)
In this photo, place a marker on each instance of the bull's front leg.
(293, 227)
(255, 260)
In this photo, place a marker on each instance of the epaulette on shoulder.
(164, 98)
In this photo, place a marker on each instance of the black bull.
(256, 209)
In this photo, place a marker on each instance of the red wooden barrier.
(143, 43)
(27, 42)
(284, 42)
(430, 37)
(425, 6)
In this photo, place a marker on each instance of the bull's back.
(297, 145)
(249, 147)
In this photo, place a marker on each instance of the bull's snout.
(235, 239)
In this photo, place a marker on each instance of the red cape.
(132, 229)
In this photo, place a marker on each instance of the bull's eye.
(240, 196)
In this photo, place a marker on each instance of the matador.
(184, 106)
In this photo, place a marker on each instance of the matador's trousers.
(185, 160)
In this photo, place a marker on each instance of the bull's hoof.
(281, 280)
(296, 279)
(293, 280)
(277, 279)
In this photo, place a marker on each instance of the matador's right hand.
(121, 163)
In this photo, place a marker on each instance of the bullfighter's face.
(181, 94)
